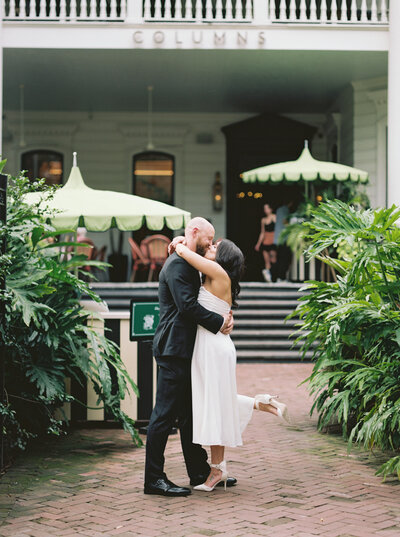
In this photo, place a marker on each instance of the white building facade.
(75, 77)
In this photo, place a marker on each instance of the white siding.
(107, 142)
(344, 105)
(370, 117)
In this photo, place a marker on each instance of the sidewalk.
(292, 482)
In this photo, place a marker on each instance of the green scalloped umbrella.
(100, 210)
(307, 168)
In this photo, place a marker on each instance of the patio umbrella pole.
(76, 251)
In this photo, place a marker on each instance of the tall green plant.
(356, 322)
(46, 334)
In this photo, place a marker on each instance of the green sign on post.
(145, 317)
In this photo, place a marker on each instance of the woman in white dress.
(220, 415)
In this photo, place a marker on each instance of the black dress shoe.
(199, 479)
(230, 482)
(165, 487)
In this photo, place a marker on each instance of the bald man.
(180, 313)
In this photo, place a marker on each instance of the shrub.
(356, 322)
(45, 333)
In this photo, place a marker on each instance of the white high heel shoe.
(267, 399)
(224, 477)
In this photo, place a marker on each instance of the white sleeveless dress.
(220, 415)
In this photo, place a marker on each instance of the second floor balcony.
(200, 12)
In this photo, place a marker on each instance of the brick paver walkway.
(293, 481)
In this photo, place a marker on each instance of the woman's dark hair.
(231, 259)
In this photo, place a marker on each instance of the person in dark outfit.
(265, 243)
(180, 313)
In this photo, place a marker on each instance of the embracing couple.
(196, 359)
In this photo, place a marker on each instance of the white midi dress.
(220, 415)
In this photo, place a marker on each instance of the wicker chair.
(139, 259)
(156, 247)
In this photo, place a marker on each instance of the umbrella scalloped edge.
(128, 223)
(291, 178)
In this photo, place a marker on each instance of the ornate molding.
(171, 132)
(44, 129)
(380, 100)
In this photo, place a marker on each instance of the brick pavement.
(293, 482)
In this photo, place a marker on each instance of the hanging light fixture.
(7, 134)
(217, 192)
(150, 145)
(22, 142)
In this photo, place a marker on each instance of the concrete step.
(267, 303)
(270, 355)
(264, 344)
(261, 331)
(283, 333)
(265, 313)
(271, 286)
(263, 323)
(262, 294)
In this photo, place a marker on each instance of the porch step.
(261, 331)
(265, 323)
(264, 343)
(270, 356)
(262, 312)
(263, 303)
(240, 333)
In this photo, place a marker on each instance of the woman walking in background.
(265, 242)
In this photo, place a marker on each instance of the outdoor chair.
(157, 251)
(99, 254)
(86, 249)
(139, 259)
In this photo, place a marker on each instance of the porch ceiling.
(183, 80)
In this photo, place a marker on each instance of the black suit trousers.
(173, 405)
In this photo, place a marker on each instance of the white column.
(394, 105)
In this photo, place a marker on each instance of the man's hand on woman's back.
(227, 327)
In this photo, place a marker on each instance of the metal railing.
(262, 12)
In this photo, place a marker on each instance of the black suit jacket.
(180, 313)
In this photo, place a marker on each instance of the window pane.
(43, 164)
(154, 176)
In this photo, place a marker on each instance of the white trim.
(214, 37)
(380, 99)
(371, 84)
(381, 163)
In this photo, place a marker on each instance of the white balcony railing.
(329, 11)
(64, 10)
(224, 11)
(350, 12)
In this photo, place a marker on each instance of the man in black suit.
(180, 313)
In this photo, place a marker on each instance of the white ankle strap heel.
(267, 399)
(224, 477)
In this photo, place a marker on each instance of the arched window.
(153, 176)
(42, 163)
